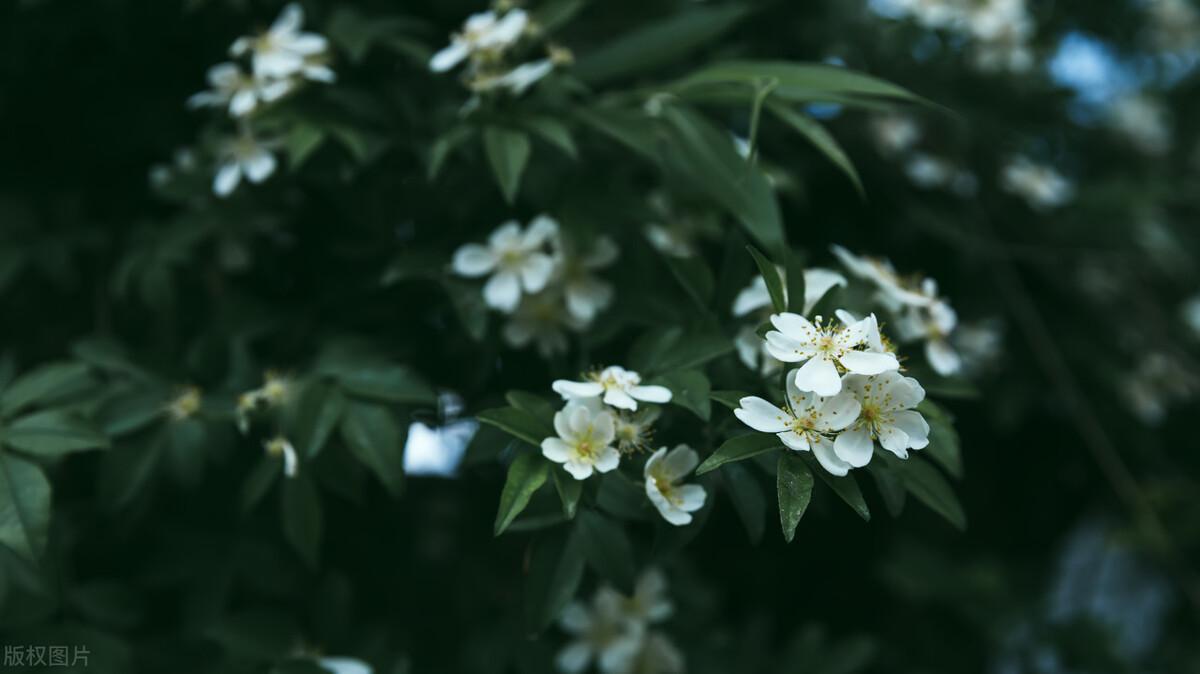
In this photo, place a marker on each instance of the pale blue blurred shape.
(1091, 68)
(437, 451)
(889, 9)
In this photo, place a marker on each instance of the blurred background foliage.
(178, 546)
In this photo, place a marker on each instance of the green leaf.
(125, 471)
(131, 410)
(846, 488)
(46, 384)
(469, 306)
(444, 146)
(555, 571)
(303, 523)
(706, 157)
(770, 274)
(526, 474)
(373, 435)
(53, 433)
(518, 423)
(820, 139)
(803, 82)
(891, 488)
(944, 446)
(24, 506)
(552, 131)
(747, 496)
(687, 351)
(258, 482)
(738, 448)
(537, 406)
(390, 383)
(794, 484)
(301, 142)
(569, 490)
(631, 128)
(689, 389)
(927, 484)
(320, 409)
(657, 43)
(730, 399)
(620, 497)
(508, 153)
(794, 289)
(187, 449)
(607, 549)
(556, 13)
(695, 277)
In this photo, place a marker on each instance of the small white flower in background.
(186, 404)
(1191, 315)
(823, 347)
(894, 291)
(586, 293)
(928, 171)
(516, 261)
(584, 442)
(242, 156)
(807, 422)
(340, 665)
(675, 502)
(485, 36)
(279, 447)
(895, 133)
(237, 91)
(1144, 120)
(635, 430)
(887, 415)
(285, 51)
(1039, 185)
(274, 392)
(619, 387)
(1001, 30)
(673, 241)
(1158, 382)
(649, 604)
(601, 633)
(933, 323)
(516, 81)
(752, 351)
(817, 282)
(541, 319)
(658, 656)
(979, 345)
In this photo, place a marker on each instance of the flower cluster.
(616, 632)
(920, 313)
(486, 43)
(280, 60)
(1042, 187)
(541, 279)
(755, 301)
(999, 31)
(274, 393)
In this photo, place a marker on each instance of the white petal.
(820, 376)
(761, 415)
(536, 271)
(692, 497)
(786, 349)
(619, 399)
(242, 102)
(259, 166)
(679, 462)
(289, 20)
(541, 229)
(817, 282)
(308, 44)
(556, 450)
(868, 362)
(578, 469)
(794, 441)
(472, 260)
(839, 411)
(607, 459)
(794, 326)
(904, 392)
(603, 252)
(228, 177)
(574, 658)
(576, 389)
(854, 447)
(752, 298)
(587, 297)
(894, 440)
(605, 429)
(829, 460)
(652, 462)
(651, 394)
(942, 357)
(575, 618)
(502, 291)
(915, 427)
(579, 420)
(448, 57)
(506, 237)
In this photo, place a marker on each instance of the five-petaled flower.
(516, 260)
(825, 346)
(485, 36)
(240, 156)
(887, 415)
(284, 51)
(584, 442)
(807, 422)
(663, 472)
(619, 387)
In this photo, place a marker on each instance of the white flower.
(817, 282)
(542, 319)
(621, 388)
(675, 502)
(601, 632)
(237, 91)
(649, 603)
(894, 291)
(242, 156)
(515, 259)
(753, 353)
(1144, 120)
(673, 241)
(1039, 185)
(341, 665)
(586, 294)
(284, 51)
(517, 81)
(584, 442)
(887, 415)
(823, 347)
(485, 35)
(806, 423)
(933, 323)
(280, 447)
(895, 134)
